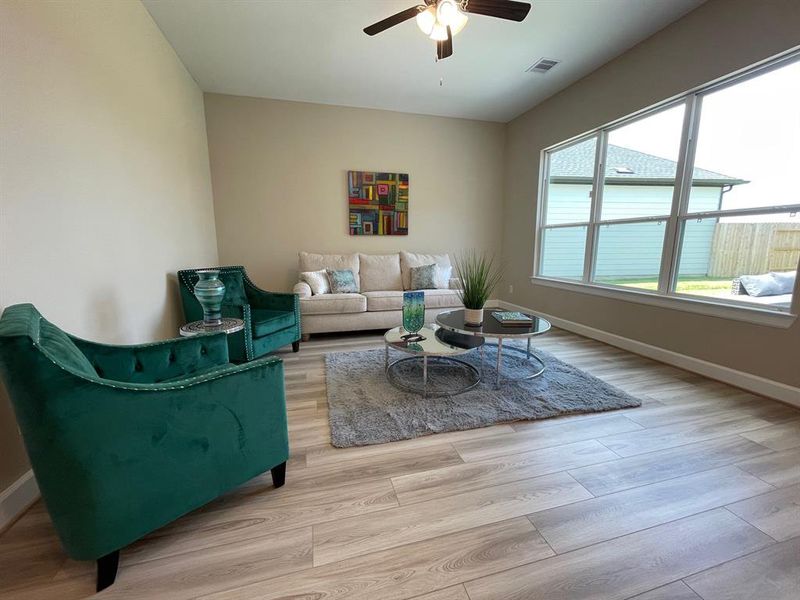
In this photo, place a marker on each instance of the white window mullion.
(680, 198)
(541, 211)
(596, 206)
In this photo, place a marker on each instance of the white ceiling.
(315, 51)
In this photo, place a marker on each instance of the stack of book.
(513, 318)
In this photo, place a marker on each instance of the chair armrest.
(271, 300)
(157, 361)
(302, 289)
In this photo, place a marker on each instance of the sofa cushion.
(442, 299)
(379, 272)
(409, 259)
(334, 262)
(331, 304)
(267, 321)
(393, 300)
(385, 300)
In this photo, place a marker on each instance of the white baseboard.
(17, 498)
(747, 381)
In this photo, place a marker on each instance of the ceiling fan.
(440, 20)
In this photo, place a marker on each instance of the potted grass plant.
(479, 276)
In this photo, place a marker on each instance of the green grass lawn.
(702, 286)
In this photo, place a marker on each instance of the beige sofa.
(381, 278)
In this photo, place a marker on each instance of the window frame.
(665, 295)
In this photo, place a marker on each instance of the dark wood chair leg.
(296, 346)
(107, 570)
(279, 475)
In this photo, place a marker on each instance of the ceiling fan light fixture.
(449, 13)
(439, 33)
(426, 20)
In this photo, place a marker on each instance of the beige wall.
(279, 172)
(719, 37)
(104, 180)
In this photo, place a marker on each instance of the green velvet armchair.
(125, 439)
(271, 320)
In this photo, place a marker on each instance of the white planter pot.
(473, 316)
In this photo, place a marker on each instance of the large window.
(696, 199)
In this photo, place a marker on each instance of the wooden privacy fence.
(754, 248)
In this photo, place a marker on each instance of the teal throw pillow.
(342, 282)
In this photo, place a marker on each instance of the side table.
(228, 325)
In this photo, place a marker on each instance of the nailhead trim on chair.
(248, 332)
(183, 384)
(149, 387)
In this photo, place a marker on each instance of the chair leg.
(279, 475)
(296, 346)
(107, 570)
(305, 337)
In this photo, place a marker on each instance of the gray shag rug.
(364, 408)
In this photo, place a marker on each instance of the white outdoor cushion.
(785, 281)
(334, 262)
(317, 281)
(409, 259)
(380, 272)
(332, 304)
(760, 285)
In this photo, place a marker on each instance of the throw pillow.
(443, 275)
(317, 281)
(342, 282)
(785, 281)
(423, 277)
(760, 285)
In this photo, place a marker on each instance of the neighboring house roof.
(625, 166)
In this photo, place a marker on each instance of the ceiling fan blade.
(388, 22)
(502, 9)
(445, 47)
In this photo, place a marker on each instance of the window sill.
(691, 305)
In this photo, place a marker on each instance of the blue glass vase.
(210, 291)
(413, 311)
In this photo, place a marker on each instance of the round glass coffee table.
(433, 348)
(453, 320)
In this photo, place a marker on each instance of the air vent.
(543, 65)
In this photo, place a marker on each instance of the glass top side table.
(228, 325)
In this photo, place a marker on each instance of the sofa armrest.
(302, 289)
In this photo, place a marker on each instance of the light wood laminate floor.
(695, 495)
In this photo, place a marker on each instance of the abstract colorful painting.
(378, 203)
